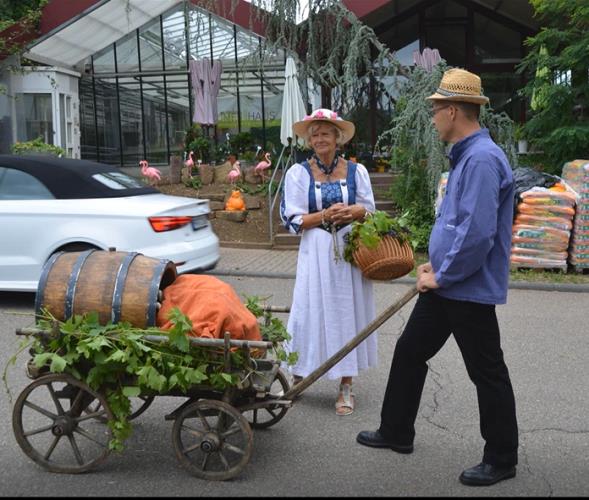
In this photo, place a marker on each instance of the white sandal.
(349, 401)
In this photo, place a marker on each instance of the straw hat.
(459, 85)
(347, 128)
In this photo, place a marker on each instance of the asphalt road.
(312, 452)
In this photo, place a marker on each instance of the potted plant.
(37, 147)
(380, 246)
(522, 142)
(202, 149)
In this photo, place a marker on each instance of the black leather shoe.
(486, 475)
(376, 440)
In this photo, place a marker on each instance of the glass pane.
(450, 42)
(108, 121)
(495, 43)
(127, 59)
(402, 35)
(273, 78)
(131, 121)
(200, 41)
(151, 46)
(445, 9)
(249, 70)
(118, 180)
(174, 40)
(155, 119)
(104, 61)
(18, 185)
(501, 89)
(223, 44)
(87, 128)
(34, 117)
(178, 111)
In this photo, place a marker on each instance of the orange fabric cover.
(212, 305)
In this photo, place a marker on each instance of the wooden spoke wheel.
(262, 418)
(52, 426)
(212, 440)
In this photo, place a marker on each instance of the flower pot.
(389, 260)
(522, 146)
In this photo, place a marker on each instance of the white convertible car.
(54, 204)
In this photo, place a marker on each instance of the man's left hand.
(427, 281)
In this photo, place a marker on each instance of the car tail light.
(161, 224)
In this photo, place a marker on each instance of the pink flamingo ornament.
(234, 173)
(189, 163)
(153, 174)
(263, 166)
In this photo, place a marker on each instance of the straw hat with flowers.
(347, 128)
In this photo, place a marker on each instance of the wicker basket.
(390, 259)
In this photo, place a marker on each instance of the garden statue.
(262, 166)
(152, 174)
(235, 201)
(235, 173)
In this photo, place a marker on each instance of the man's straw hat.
(459, 85)
(325, 115)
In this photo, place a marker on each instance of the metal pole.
(121, 157)
(165, 90)
(95, 110)
(350, 346)
(143, 128)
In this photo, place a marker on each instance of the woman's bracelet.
(324, 223)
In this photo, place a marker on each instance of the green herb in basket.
(370, 231)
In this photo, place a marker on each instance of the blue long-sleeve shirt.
(470, 243)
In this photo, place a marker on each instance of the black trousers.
(476, 331)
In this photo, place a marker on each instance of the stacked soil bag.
(542, 227)
(576, 174)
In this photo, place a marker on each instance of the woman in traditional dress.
(332, 301)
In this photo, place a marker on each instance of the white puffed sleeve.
(364, 195)
(295, 198)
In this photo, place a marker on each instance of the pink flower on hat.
(319, 114)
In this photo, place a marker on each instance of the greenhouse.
(117, 82)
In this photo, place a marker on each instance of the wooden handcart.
(62, 424)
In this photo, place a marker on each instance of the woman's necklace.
(325, 169)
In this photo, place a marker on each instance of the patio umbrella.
(293, 107)
(205, 78)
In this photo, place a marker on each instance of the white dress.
(332, 301)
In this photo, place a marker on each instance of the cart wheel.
(138, 405)
(268, 416)
(51, 427)
(212, 440)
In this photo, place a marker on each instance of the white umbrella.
(293, 107)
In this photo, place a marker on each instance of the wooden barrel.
(119, 286)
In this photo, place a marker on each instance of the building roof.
(72, 30)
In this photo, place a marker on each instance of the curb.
(513, 285)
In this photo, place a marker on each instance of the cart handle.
(351, 345)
